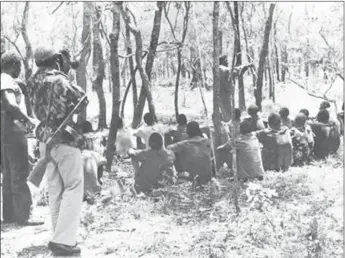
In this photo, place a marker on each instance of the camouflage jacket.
(63, 99)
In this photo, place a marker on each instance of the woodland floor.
(304, 219)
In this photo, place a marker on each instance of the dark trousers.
(15, 191)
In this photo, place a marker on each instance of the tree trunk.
(28, 48)
(131, 66)
(276, 53)
(98, 68)
(85, 53)
(225, 92)
(263, 55)
(270, 79)
(248, 51)
(216, 78)
(284, 62)
(115, 70)
(241, 95)
(127, 90)
(179, 55)
(28, 53)
(146, 74)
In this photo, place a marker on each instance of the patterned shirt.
(303, 144)
(49, 84)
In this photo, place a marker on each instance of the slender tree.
(85, 52)
(98, 67)
(144, 73)
(263, 55)
(115, 70)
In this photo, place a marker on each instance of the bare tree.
(180, 43)
(85, 52)
(98, 67)
(145, 74)
(216, 78)
(115, 70)
(29, 53)
(263, 55)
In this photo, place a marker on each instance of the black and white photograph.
(182, 129)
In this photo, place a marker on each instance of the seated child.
(284, 114)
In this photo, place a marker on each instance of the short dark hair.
(223, 60)
(238, 113)
(300, 119)
(274, 120)
(9, 59)
(148, 119)
(50, 61)
(193, 129)
(181, 119)
(284, 112)
(253, 109)
(156, 141)
(323, 116)
(87, 127)
(305, 112)
(245, 127)
(325, 104)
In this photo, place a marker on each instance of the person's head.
(46, 57)
(274, 121)
(305, 112)
(325, 105)
(245, 127)
(284, 112)
(237, 114)
(182, 119)
(223, 60)
(300, 120)
(67, 61)
(11, 63)
(193, 129)
(148, 119)
(86, 127)
(323, 116)
(253, 110)
(156, 141)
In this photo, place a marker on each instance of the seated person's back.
(256, 122)
(156, 168)
(302, 140)
(195, 154)
(327, 138)
(284, 114)
(277, 145)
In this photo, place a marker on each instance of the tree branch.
(171, 26)
(57, 8)
(15, 45)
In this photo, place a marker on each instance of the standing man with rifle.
(16, 194)
(54, 99)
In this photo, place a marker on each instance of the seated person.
(277, 145)
(156, 169)
(305, 112)
(327, 137)
(179, 134)
(124, 139)
(332, 120)
(284, 114)
(144, 131)
(93, 162)
(256, 122)
(195, 153)
(302, 140)
(248, 153)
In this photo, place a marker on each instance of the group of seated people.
(276, 144)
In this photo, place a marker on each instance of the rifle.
(36, 175)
